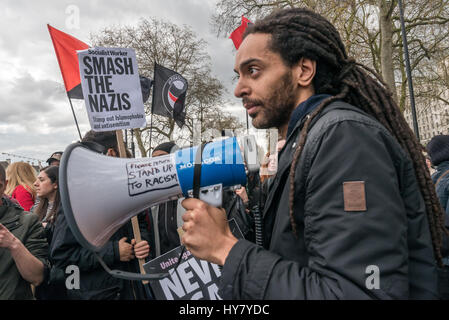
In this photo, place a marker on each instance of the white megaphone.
(100, 194)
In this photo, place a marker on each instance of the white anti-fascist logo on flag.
(174, 88)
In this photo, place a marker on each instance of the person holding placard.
(166, 216)
(120, 252)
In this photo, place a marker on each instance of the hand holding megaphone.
(206, 231)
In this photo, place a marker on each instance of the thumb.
(218, 215)
(133, 241)
(123, 239)
(190, 203)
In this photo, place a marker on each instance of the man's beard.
(275, 111)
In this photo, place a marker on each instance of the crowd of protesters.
(348, 187)
(38, 271)
(48, 242)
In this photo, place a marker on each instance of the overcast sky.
(35, 115)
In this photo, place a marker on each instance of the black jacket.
(235, 209)
(53, 286)
(335, 251)
(442, 189)
(95, 282)
(167, 226)
(26, 227)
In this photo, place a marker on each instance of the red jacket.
(24, 197)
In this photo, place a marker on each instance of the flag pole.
(126, 139)
(201, 128)
(74, 116)
(151, 128)
(133, 151)
(152, 105)
(408, 70)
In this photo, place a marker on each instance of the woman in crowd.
(20, 176)
(47, 189)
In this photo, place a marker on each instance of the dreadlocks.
(297, 33)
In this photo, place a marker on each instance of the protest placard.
(192, 279)
(111, 88)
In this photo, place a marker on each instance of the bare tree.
(371, 32)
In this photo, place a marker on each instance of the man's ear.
(304, 72)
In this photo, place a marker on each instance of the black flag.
(145, 85)
(169, 94)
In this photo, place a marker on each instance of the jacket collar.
(7, 203)
(443, 166)
(303, 109)
(311, 104)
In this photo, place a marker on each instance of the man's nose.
(242, 89)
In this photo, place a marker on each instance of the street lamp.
(409, 73)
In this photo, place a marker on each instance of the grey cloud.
(29, 98)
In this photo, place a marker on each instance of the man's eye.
(252, 70)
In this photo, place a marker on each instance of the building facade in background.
(432, 121)
(432, 113)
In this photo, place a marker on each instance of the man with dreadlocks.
(351, 213)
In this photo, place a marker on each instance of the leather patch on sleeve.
(354, 195)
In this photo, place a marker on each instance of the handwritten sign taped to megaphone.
(111, 88)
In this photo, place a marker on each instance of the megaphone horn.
(99, 194)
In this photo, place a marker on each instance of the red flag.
(65, 47)
(237, 34)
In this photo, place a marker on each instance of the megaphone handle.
(130, 275)
(135, 222)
